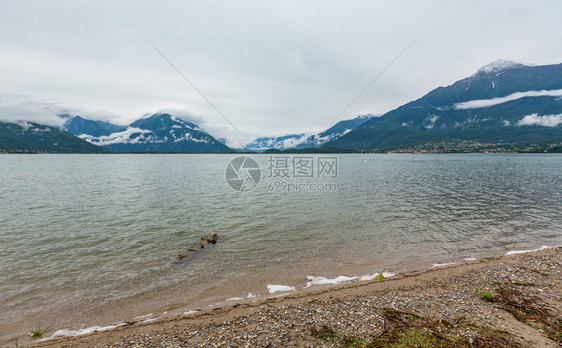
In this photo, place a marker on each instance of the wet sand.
(525, 303)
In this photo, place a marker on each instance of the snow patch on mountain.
(189, 137)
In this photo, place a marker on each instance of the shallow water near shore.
(91, 239)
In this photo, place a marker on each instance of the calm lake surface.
(91, 239)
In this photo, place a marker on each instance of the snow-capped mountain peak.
(498, 66)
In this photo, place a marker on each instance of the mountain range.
(504, 102)
(304, 141)
(33, 137)
(77, 125)
(160, 132)
(163, 132)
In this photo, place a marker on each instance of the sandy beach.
(507, 301)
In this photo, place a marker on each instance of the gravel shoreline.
(445, 303)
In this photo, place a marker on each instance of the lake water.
(92, 239)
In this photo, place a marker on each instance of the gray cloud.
(18, 107)
(22, 108)
(271, 68)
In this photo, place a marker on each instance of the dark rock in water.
(210, 239)
(205, 240)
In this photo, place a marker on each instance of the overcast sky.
(271, 68)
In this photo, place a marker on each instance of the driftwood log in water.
(205, 240)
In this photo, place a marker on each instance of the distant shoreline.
(558, 151)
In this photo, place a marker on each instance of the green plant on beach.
(353, 341)
(412, 316)
(486, 295)
(380, 276)
(37, 334)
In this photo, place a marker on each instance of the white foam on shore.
(147, 318)
(514, 252)
(235, 299)
(323, 280)
(470, 259)
(74, 333)
(443, 264)
(250, 295)
(142, 316)
(190, 312)
(371, 277)
(276, 288)
(150, 320)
